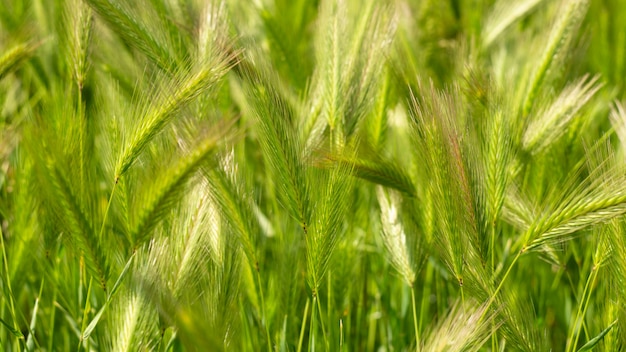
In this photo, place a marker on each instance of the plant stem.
(82, 136)
(86, 311)
(500, 285)
(329, 306)
(570, 337)
(426, 292)
(313, 325)
(264, 317)
(306, 312)
(572, 341)
(462, 296)
(415, 321)
(593, 283)
(8, 281)
(52, 316)
(106, 212)
(319, 310)
(492, 252)
(340, 334)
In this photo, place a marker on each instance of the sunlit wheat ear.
(201, 240)
(349, 65)
(213, 31)
(616, 267)
(168, 189)
(600, 198)
(499, 158)
(567, 23)
(233, 204)
(327, 221)
(393, 234)
(162, 109)
(282, 149)
(132, 323)
(551, 123)
(192, 275)
(280, 239)
(331, 52)
(189, 312)
(79, 23)
(462, 329)
(503, 15)
(439, 134)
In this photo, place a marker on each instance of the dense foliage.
(291, 175)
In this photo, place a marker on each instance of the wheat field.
(312, 175)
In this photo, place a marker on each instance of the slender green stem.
(31, 342)
(415, 321)
(584, 313)
(427, 287)
(462, 296)
(500, 285)
(263, 313)
(492, 252)
(8, 282)
(332, 137)
(319, 310)
(572, 340)
(106, 212)
(86, 311)
(329, 301)
(247, 334)
(570, 337)
(371, 332)
(303, 327)
(52, 316)
(340, 334)
(313, 325)
(82, 135)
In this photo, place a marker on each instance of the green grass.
(406, 175)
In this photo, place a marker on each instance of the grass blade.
(31, 340)
(591, 344)
(96, 319)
